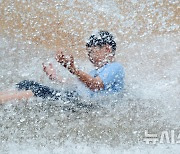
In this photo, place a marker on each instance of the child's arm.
(91, 82)
(51, 73)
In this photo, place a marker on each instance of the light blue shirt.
(112, 75)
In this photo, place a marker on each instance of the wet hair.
(100, 39)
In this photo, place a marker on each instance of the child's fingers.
(50, 64)
(72, 58)
(59, 52)
(50, 76)
(61, 59)
(58, 57)
(44, 67)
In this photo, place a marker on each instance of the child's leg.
(46, 92)
(33, 88)
(16, 95)
(6, 91)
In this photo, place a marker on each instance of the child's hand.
(66, 61)
(60, 57)
(50, 71)
(71, 67)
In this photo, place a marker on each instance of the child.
(107, 77)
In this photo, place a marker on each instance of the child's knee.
(25, 84)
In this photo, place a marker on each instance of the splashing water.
(147, 35)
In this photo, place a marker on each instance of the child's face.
(99, 56)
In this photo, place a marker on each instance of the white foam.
(69, 147)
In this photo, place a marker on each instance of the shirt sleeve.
(110, 75)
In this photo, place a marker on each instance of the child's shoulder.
(115, 65)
